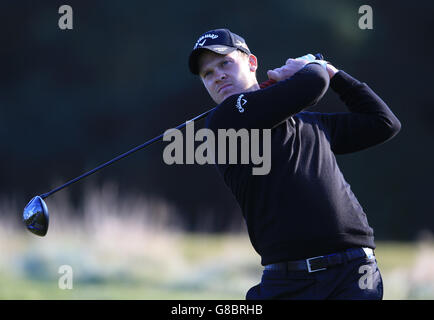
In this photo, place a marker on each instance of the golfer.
(302, 218)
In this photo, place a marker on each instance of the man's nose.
(221, 75)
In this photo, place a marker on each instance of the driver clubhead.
(35, 216)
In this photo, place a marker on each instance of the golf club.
(35, 214)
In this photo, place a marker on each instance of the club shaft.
(124, 155)
(318, 56)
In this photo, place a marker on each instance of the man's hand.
(293, 65)
(286, 71)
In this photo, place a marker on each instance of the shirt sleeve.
(370, 121)
(268, 107)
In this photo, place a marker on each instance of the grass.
(167, 267)
(141, 258)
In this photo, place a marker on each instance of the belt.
(319, 263)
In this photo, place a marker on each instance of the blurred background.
(140, 229)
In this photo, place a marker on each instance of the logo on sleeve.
(240, 103)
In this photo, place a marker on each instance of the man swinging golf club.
(302, 217)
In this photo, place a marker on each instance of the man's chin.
(228, 94)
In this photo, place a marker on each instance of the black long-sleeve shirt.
(304, 207)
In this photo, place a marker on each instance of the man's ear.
(253, 63)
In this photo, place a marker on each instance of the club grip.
(319, 56)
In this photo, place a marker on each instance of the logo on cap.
(221, 49)
(204, 37)
(239, 43)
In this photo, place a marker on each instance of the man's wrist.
(331, 70)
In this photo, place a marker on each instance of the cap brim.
(194, 56)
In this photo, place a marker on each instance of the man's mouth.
(223, 87)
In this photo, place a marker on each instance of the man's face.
(225, 75)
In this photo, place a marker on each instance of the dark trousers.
(359, 279)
